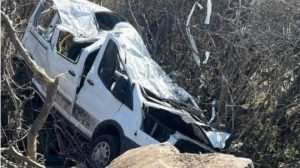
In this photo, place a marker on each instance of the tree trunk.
(40, 120)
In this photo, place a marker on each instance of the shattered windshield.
(144, 70)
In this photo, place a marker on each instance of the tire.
(105, 149)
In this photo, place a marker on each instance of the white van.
(110, 88)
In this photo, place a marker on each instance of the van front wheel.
(104, 150)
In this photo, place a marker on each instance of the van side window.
(64, 45)
(113, 75)
(68, 48)
(108, 64)
(45, 20)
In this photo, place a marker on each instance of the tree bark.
(40, 120)
(19, 156)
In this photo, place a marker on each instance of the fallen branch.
(40, 120)
(19, 156)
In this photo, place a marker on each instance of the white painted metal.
(95, 100)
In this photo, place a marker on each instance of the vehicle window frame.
(118, 59)
(38, 16)
(65, 57)
(128, 99)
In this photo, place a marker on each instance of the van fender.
(112, 127)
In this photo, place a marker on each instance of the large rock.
(167, 156)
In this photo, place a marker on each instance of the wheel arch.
(110, 127)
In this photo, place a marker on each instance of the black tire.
(100, 157)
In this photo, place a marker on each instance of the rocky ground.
(167, 156)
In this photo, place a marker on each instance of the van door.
(39, 32)
(63, 63)
(96, 102)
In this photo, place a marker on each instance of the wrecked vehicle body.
(110, 88)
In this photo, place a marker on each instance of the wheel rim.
(101, 153)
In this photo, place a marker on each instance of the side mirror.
(122, 90)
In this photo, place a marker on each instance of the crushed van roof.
(143, 69)
(79, 17)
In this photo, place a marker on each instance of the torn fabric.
(208, 12)
(195, 51)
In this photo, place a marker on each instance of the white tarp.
(208, 12)
(78, 16)
(195, 51)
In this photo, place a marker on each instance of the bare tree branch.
(39, 73)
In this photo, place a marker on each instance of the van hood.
(186, 123)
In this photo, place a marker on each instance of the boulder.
(167, 156)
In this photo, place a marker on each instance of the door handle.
(90, 82)
(71, 73)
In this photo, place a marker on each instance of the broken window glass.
(108, 64)
(46, 19)
(68, 47)
(113, 75)
(64, 45)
